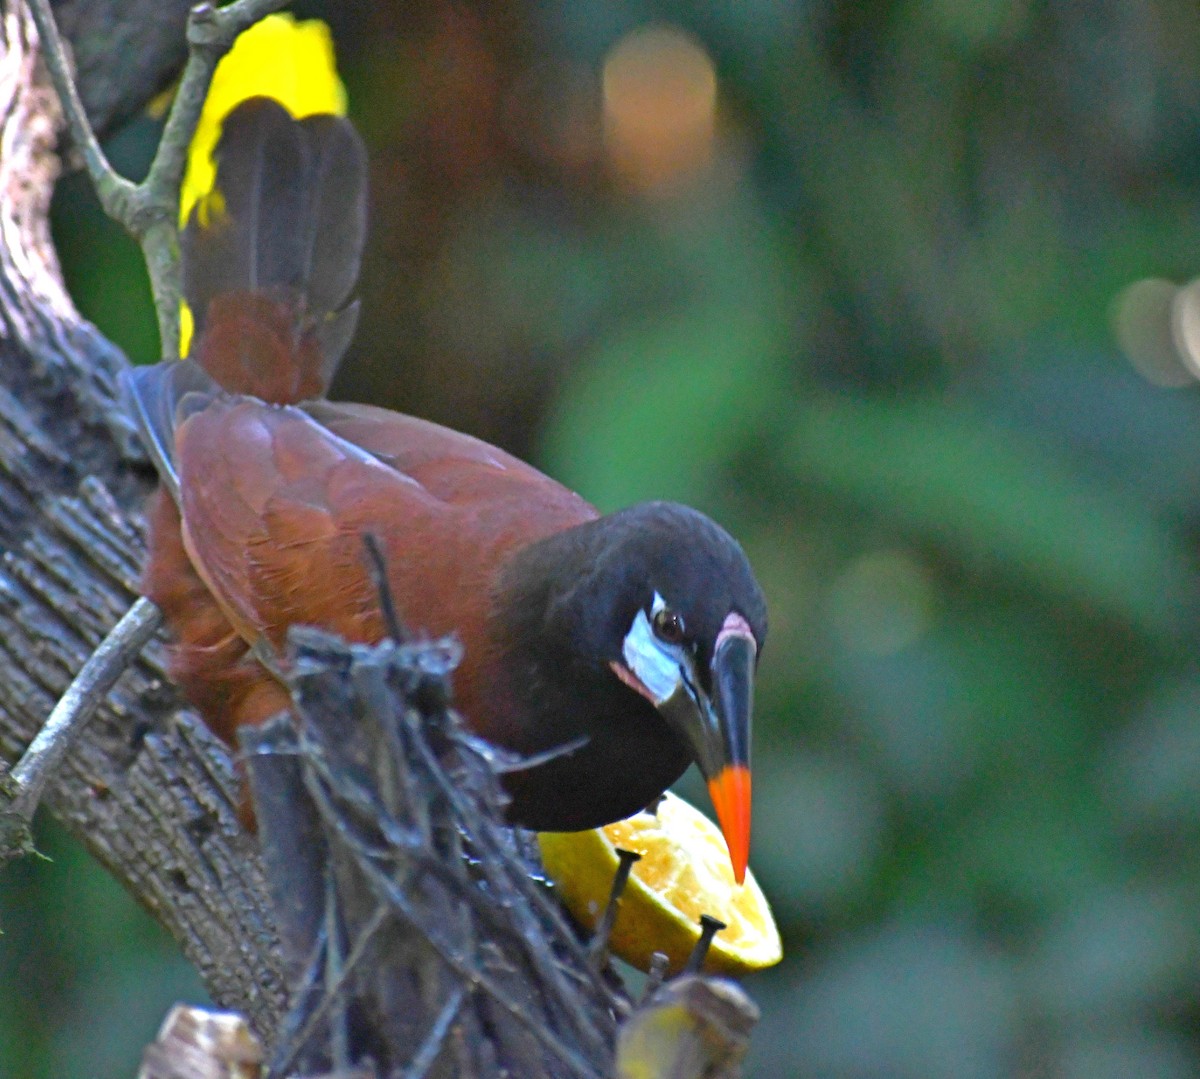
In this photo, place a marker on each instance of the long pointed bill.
(733, 692)
(715, 727)
(718, 731)
(730, 792)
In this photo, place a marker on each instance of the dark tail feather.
(248, 235)
(271, 256)
(337, 211)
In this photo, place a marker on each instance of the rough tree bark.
(147, 790)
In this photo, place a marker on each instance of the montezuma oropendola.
(635, 634)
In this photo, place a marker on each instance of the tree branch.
(150, 210)
(75, 707)
(146, 789)
(113, 191)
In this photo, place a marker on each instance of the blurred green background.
(896, 290)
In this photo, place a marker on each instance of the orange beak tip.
(730, 793)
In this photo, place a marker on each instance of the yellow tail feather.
(281, 58)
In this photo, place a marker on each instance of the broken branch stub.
(413, 918)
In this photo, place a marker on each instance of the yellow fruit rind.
(684, 872)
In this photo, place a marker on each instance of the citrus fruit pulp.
(684, 871)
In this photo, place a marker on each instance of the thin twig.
(211, 33)
(336, 971)
(149, 210)
(332, 993)
(114, 191)
(377, 566)
(388, 891)
(294, 1031)
(98, 675)
(431, 1047)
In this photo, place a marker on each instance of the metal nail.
(599, 945)
(709, 928)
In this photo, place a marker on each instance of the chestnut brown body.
(268, 492)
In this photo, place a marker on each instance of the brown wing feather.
(452, 466)
(208, 660)
(275, 506)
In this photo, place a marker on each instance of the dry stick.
(337, 970)
(506, 861)
(396, 835)
(292, 1045)
(395, 896)
(149, 210)
(432, 1045)
(388, 892)
(511, 875)
(496, 855)
(294, 1031)
(377, 565)
(84, 695)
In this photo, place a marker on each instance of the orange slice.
(684, 872)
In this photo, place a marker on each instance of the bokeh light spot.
(1185, 325)
(660, 103)
(1144, 324)
(882, 603)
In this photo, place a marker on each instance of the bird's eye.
(668, 626)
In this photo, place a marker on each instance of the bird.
(605, 653)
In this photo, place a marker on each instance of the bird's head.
(668, 603)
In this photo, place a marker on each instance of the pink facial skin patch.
(632, 680)
(735, 626)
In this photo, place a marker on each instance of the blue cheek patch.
(645, 656)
